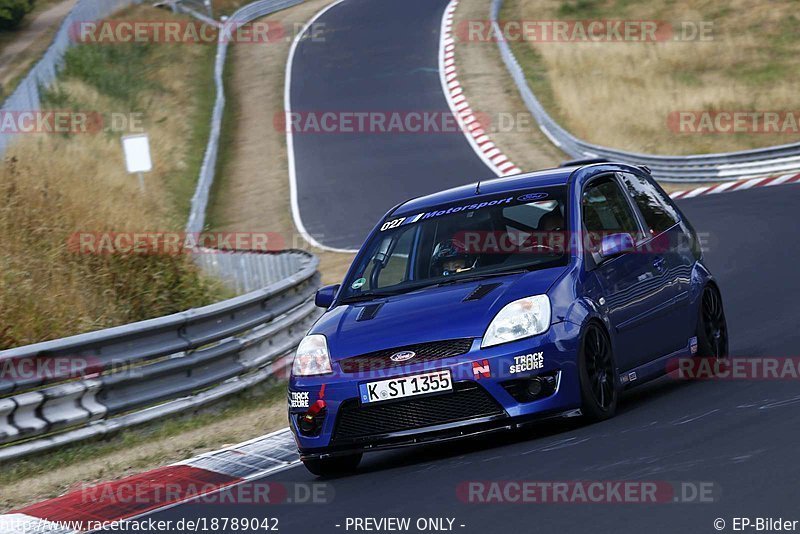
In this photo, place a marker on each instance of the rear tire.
(597, 371)
(335, 466)
(712, 328)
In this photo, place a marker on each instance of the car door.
(630, 283)
(666, 245)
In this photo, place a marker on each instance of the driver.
(450, 257)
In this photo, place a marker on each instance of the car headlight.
(312, 357)
(517, 320)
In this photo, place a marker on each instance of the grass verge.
(56, 186)
(622, 94)
(251, 193)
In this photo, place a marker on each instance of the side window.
(605, 209)
(658, 213)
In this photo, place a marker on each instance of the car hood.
(430, 314)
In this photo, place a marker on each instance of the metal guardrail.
(242, 271)
(27, 95)
(200, 199)
(692, 168)
(71, 389)
(68, 390)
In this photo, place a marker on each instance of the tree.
(12, 12)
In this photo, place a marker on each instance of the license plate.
(407, 386)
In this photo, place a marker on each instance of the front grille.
(425, 352)
(467, 401)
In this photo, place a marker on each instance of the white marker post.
(137, 155)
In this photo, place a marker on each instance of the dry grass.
(54, 185)
(620, 94)
(252, 194)
(252, 189)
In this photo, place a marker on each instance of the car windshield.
(468, 239)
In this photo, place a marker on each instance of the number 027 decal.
(388, 225)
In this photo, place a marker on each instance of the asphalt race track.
(740, 435)
(377, 56)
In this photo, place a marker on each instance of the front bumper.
(435, 417)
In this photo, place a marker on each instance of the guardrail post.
(89, 401)
(8, 432)
(62, 405)
(25, 418)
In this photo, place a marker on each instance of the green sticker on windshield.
(358, 284)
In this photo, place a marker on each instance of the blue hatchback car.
(491, 305)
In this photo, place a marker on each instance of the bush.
(12, 12)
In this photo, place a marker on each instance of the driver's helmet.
(450, 257)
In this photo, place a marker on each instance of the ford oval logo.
(529, 197)
(402, 356)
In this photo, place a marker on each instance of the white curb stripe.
(721, 187)
(739, 185)
(780, 179)
(454, 92)
(749, 184)
(698, 191)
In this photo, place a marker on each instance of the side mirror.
(616, 244)
(325, 295)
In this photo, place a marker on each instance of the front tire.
(334, 466)
(599, 391)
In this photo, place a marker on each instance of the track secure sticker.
(298, 399)
(527, 362)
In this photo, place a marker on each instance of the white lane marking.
(690, 419)
(287, 103)
(555, 445)
(564, 445)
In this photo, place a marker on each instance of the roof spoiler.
(579, 162)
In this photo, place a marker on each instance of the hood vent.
(369, 312)
(481, 291)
